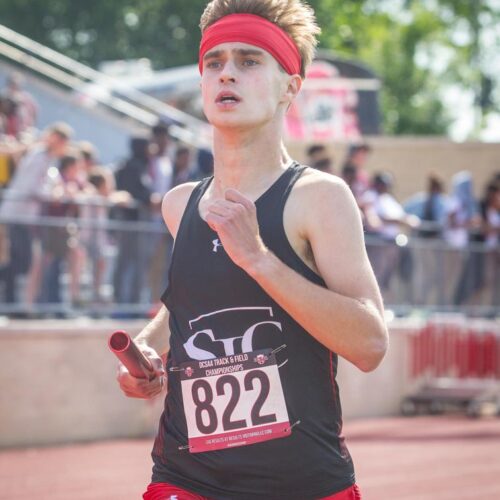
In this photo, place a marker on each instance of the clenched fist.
(234, 219)
(142, 387)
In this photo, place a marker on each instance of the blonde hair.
(294, 17)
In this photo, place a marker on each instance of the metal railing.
(74, 75)
(99, 266)
(430, 275)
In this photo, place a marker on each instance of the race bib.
(233, 401)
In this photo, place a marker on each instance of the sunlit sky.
(458, 99)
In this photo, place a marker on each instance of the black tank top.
(212, 303)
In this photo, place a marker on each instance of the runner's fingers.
(125, 378)
(214, 221)
(155, 387)
(233, 195)
(228, 209)
(158, 366)
(145, 390)
(220, 209)
(130, 383)
(137, 395)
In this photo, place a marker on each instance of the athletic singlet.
(247, 373)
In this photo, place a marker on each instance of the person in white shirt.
(23, 199)
(385, 218)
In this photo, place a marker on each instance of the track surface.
(423, 458)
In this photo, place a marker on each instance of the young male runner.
(269, 283)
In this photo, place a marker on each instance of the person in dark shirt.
(318, 158)
(428, 254)
(133, 177)
(357, 157)
(265, 292)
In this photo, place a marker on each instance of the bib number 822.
(203, 398)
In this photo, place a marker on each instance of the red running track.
(423, 458)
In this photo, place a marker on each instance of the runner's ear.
(293, 85)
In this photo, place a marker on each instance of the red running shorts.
(165, 491)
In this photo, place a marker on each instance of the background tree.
(165, 31)
(420, 49)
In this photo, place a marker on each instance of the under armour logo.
(216, 244)
(174, 497)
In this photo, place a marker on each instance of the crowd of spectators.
(63, 214)
(455, 239)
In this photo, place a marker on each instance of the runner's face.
(242, 86)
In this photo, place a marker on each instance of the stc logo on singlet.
(233, 331)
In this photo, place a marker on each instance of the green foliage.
(165, 31)
(402, 40)
(418, 48)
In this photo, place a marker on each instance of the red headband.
(254, 30)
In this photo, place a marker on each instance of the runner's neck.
(248, 161)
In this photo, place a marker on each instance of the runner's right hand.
(142, 387)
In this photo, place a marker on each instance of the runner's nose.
(228, 73)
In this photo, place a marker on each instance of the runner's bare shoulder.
(323, 194)
(312, 179)
(174, 204)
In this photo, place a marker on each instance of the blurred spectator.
(182, 167)
(490, 214)
(480, 266)
(7, 163)
(357, 157)
(23, 199)
(428, 258)
(134, 177)
(161, 141)
(94, 238)
(162, 242)
(204, 164)
(462, 211)
(430, 207)
(349, 175)
(462, 217)
(95, 215)
(11, 150)
(60, 242)
(162, 175)
(385, 218)
(10, 120)
(90, 160)
(160, 162)
(88, 155)
(23, 194)
(3, 115)
(315, 152)
(318, 158)
(27, 106)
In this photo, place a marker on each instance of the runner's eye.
(250, 62)
(212, 64)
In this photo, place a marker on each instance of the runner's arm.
(156, 334)
(154, 339)
(347, 316)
